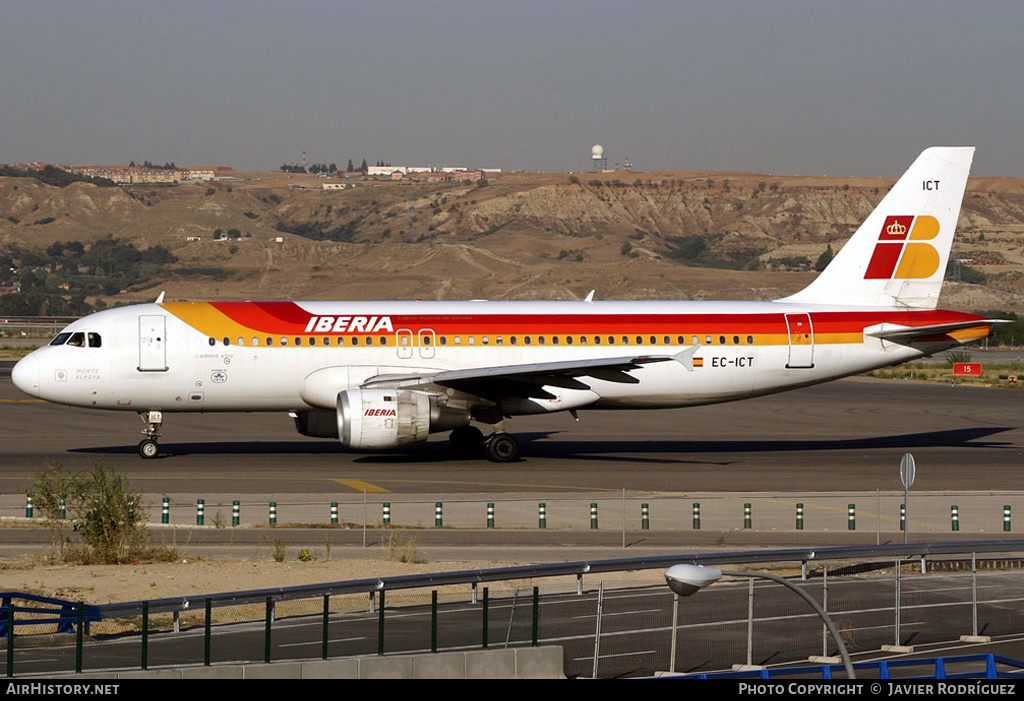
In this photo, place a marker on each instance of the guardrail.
(569, 569)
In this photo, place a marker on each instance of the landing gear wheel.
(502, 447)
(149, 448)
(466, 442)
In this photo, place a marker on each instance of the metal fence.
(603, 631)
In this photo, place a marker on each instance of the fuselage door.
(152, 343)
(427, 343)
(404, 337)
(801, 341)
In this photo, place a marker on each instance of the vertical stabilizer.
(899, 254)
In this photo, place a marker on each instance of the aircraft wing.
(528, 380)
(908, 334)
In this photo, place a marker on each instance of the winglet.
(160, 299)
(685, 357)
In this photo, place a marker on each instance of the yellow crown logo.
(896, 229)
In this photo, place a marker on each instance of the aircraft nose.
(25, 375)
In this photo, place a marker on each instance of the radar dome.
(597, 151)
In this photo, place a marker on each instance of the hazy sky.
(790, 86)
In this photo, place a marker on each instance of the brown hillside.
(523, 236)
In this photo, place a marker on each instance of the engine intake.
(386, 418)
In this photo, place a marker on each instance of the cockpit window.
(94, 340)
(60, 339)
(77, 339)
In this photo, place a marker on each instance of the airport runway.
(840, 437)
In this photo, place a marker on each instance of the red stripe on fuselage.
(288, 318)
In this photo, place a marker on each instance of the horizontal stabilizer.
(906, 334)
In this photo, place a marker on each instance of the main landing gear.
(470, 442)
(149, 448)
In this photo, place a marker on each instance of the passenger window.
(284, 341)
(270, 341)
(227, 341)
(735, 340)
(554, 340)
(458, 340)
(568, 340)
(94, 340)
(213, 341)
(707, 340)
(298, 340)
(583, 340)
(444, 340)
(241, 341)
(611, 340)
(695, 341)
(487, 340)
(625, 340)
(540, 340)
(515, 341)
(355, 340)
(597, 340)
(750, 340)
(721, 340)
(255, 341)
(528, 340)
(471, 340)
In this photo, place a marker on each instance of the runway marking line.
(360, 485)
(22, 401)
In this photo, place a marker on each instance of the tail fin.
(898, 255)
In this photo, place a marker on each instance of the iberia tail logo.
(901, 251)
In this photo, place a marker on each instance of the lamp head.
(685, 580)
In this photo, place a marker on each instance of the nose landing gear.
(149, 448)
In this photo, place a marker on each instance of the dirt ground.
(193, 577)
(100, 584)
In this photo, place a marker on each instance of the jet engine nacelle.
(385, 418)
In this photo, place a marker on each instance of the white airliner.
(381, 374)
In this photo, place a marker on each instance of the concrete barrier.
(513, 663)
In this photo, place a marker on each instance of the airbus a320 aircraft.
(378, 375)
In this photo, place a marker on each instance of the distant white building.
(386, 170)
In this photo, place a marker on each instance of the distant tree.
(350, 166)
(364, 167)
(824, 259)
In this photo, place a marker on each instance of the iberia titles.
(349, 324)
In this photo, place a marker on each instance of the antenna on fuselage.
(590, 297)
(160, 299)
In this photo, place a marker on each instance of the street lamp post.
(686, 580)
